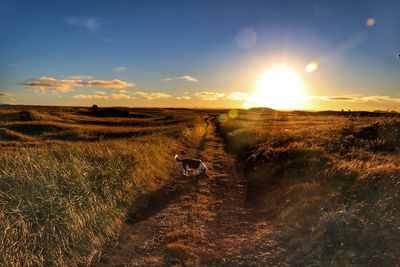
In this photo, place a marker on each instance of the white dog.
(196, 165)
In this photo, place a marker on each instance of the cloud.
(81, 77)
(185, 97)
(82, 96)
(187, 78)
(152, 95)
(339, 98)
(209, 95)
(120, 69)
(6, 98)
(122, 96)
(49, 83)
(237, 96)
(92, 24)
(108, 83)
(359, 98)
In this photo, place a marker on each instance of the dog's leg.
(187, 170)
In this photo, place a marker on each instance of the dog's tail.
(177, 158)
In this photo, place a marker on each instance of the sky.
(334, 54)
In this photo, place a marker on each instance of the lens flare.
(246, 38)
(370, 22)
(311, 67)
(233, 113)
(223, 118)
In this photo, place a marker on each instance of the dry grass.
(330, 184)
(61, 200)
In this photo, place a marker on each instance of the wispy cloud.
(100, 92)
(6, 98)
(108, 83)
(82, 96)
(360, 98)
(237, 96)
(120, 69)
(152, 95)
(187, 78)
(209, 95)
(185, 97)
(122, 96)
(43, 84)
(91, 23)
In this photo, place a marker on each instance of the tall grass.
(330, 186)
(59, 202)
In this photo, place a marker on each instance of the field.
(83, 186)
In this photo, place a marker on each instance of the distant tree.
(94, 109)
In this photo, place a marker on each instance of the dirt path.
(197, 221)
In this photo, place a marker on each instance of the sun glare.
(280, 87)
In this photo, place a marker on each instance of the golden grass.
(330, 184)
(59, 201)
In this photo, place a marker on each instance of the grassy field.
(328, 182)
(68, 176)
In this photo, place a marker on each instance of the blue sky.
(190, 53)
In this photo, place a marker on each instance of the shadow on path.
(150, 204)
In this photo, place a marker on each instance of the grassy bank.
(330, 185)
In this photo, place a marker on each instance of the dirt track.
(197, 221)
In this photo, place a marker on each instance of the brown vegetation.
(305, 189)
(63, 197)
(330, 184)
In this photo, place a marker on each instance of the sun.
(279, 87)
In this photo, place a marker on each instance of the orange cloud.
(122, 95)
(49, 83)
(81, 96)
(152, 95)
(109, 84)
(185, 97)
(237, 96)
(209, 95)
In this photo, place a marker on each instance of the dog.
(196, 165)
